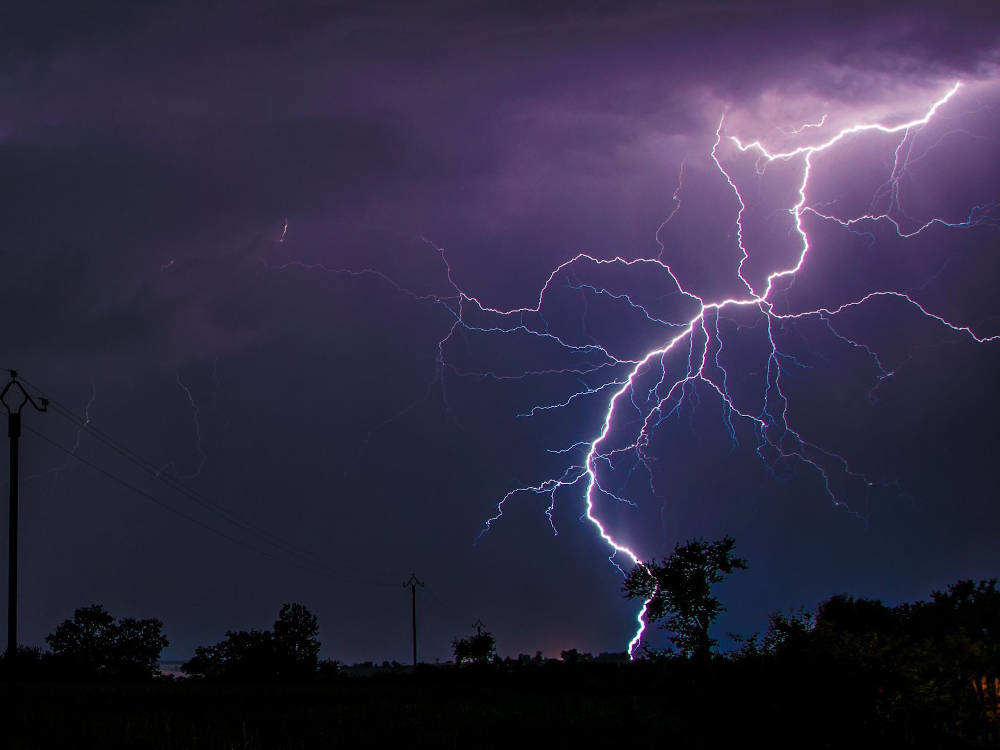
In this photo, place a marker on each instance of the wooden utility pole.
(412, 583)
(18, 398)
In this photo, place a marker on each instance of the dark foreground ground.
(557, 705)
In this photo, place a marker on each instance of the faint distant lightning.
(86, 417)
(284, 231)
(677, 207)
(808, 126)
(199, 448)
(208, 431)
(57, 471)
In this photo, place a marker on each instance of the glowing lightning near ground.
(650, 385)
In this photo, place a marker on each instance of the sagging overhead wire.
(305, 560)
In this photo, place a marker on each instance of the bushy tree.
(93, 644)
(480, 648)
(679, 591)
(295, 642)
(244, 654)
(788, 633)
(924, 673)
(962, 624)
(288, 652)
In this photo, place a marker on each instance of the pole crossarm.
(14, 385)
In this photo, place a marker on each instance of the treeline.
(929, 669)
(917, 671)
(925, 673)
(94, 645)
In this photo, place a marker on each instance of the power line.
(292, 554)
(173, 483)
(149, 496)
(447, 609)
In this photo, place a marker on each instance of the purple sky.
(149, 162)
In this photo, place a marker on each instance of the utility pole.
(413, 582)
(18, 398)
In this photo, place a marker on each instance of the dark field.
(553, 704)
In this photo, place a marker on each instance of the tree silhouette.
(679, 591)
(295, 642)
(480, 648)
(289, 652)
(963, 623)
(92, 643)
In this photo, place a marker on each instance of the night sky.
(234, 236)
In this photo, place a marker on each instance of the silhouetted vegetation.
(289, 652)
(94, 644)
(678, 591)
(917, 671)
(480, 648)
(853, 672)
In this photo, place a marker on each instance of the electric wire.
(173, 483)
(446, 609)
(312, 568)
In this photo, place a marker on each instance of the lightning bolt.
(700, 335)
(640, 393)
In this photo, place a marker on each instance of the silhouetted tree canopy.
(573, 656)
(679, 591)
(93, 643)
(295, 641)
(857, 671)
(926, 673)
(480, 648)
(288, 652)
